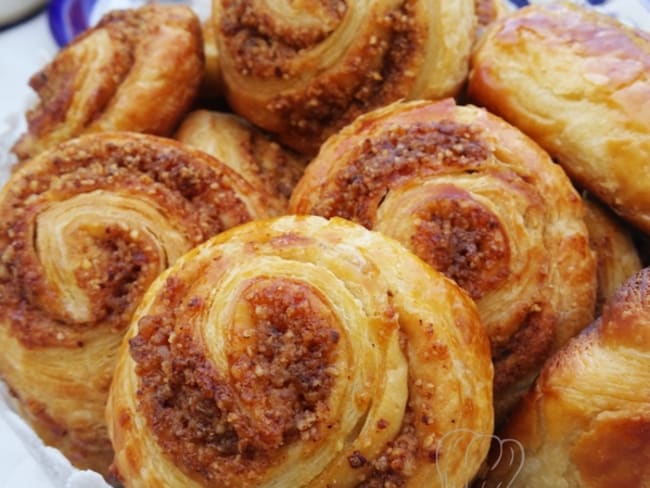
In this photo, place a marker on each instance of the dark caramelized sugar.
(276, 389)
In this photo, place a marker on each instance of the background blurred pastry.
(136, 70)
(302, 70)
(578, 83)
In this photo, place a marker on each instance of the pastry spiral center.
(91, 259)
(464, 240)
(282, 344)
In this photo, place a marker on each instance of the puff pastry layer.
(587, 421)
(479, 201)
(302, 70)
(578, 83)
(136, 70)
(286, 353)
(84, 229)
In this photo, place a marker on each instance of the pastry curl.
(587, 421)
(616, 253)
(84, 229)
(578, 83)
(479, 201)
(286, 353)
(302, 70)
(271, 169)
(137, 70)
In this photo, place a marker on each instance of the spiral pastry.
(84, 229)
(479, 201)
(286, 353)
(302, 70)
(136, 70)
(270, 168)
(586, 424)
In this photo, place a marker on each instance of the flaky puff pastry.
(136, 70)
(287, 353)
(479, 201)
(84, 229)
(616, 252)
(270, 168)
(587, 421)
(578, 82)
(302, 70)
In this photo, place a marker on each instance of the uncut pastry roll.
(478, 200)
(136, 70)
(302, 70)
(85, 227)
(578, 83)
(616, 253)
(267, 166)
(286, 353)
(587, 421)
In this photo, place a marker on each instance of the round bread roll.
(85, 227)
(578, 83)
(287, 353)
(479, 201)
(302, 70)
(586, 424)
(136, 70)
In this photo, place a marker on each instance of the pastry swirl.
(270, 168)
(586, 423)
(479, 201)
(285, 353)
(85, 229)
(578, 83)
(136, 70)
(303, 70)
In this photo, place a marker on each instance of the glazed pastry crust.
(285, 353)
(270, 168)
(85, 229)
(137, 70)
(577, 82)
(587, 421)
(303, 71)
(481, 202)
(616, 252)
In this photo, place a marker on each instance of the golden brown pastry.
(487, 11)
(578, 83)
(479, 201)
(271, 169)
(137, 70)
(616, 252)
(84, 229)
(302, 70)
(286, 353)
(587, 421)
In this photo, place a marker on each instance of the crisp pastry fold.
(616, 253)
(586, 423)
(478, 200)
(85, 227)
(302, 70)
(286, 353)
(136, 70)
(270, 168)
(577, 82)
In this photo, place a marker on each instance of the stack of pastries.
(336, 243)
